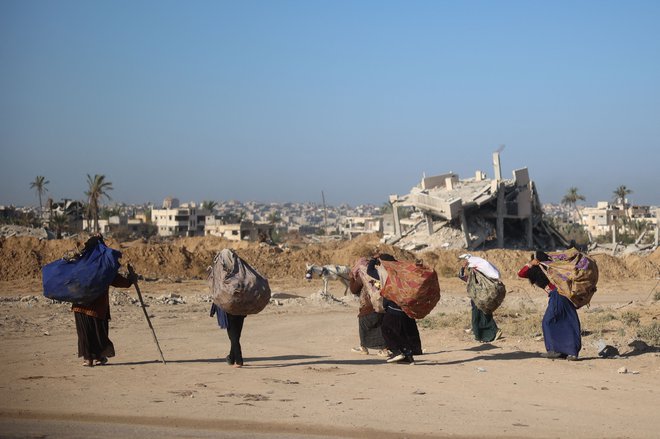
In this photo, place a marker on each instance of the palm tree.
(107, 212)
(620, 195)
(274, 218)
(98, 188)
(209, 205)
(39, 185)
(58, 222)
(571, 198)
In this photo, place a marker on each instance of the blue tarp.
(84, 279)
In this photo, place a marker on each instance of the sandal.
(101, 361)
(88, 364)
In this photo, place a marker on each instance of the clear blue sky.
(279, 100)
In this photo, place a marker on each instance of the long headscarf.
(373, 262)
(535, 274)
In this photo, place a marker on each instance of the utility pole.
(325, 214)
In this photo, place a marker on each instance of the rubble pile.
(474, 213)
(12, 230)
(622, 250)
(171, 299)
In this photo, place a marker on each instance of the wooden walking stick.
(139, 294)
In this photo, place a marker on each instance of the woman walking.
(561, 324)
(92, 320)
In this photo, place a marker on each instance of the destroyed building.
(474, 213)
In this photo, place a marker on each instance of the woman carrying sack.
(237, 290)
(484, 327)
(92, 320)
(399, 330)
(369, 320)
(561, 324)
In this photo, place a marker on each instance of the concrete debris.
(171, 299)
(622, 250)
(123, 298)
(473, 213)
(622, 369)
(12, 230)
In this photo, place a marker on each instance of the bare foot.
(88, 363)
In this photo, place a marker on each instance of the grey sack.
(236, 287)
(486, 293)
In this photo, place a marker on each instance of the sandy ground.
(301, 379)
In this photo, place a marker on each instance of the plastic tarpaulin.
(81, 280)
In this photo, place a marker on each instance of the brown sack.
(414, 287)
(574, 274)
(236, 287)
(486, 293)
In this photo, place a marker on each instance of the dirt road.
(302, 379)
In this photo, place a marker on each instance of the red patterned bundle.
(414, 287)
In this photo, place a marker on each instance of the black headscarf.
(373, 262)
(535, 274)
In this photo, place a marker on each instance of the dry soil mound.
(23, 257)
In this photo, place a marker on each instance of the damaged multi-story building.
(474, 213)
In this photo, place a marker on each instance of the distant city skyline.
(319, 202)
(278, 101)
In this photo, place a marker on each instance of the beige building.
(175, 220)
(352, 226)
(599, 220)
(117, 224)
(245, 230)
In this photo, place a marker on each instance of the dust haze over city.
(278, 101)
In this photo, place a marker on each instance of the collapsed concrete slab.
(474, 213)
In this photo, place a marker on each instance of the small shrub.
(605, 317)
(528, 326)
(442, 320)
(630, 318)
(650, 333)
(430, 322)
(656, 296)
(526, 308)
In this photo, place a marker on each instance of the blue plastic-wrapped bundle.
(83, 279)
